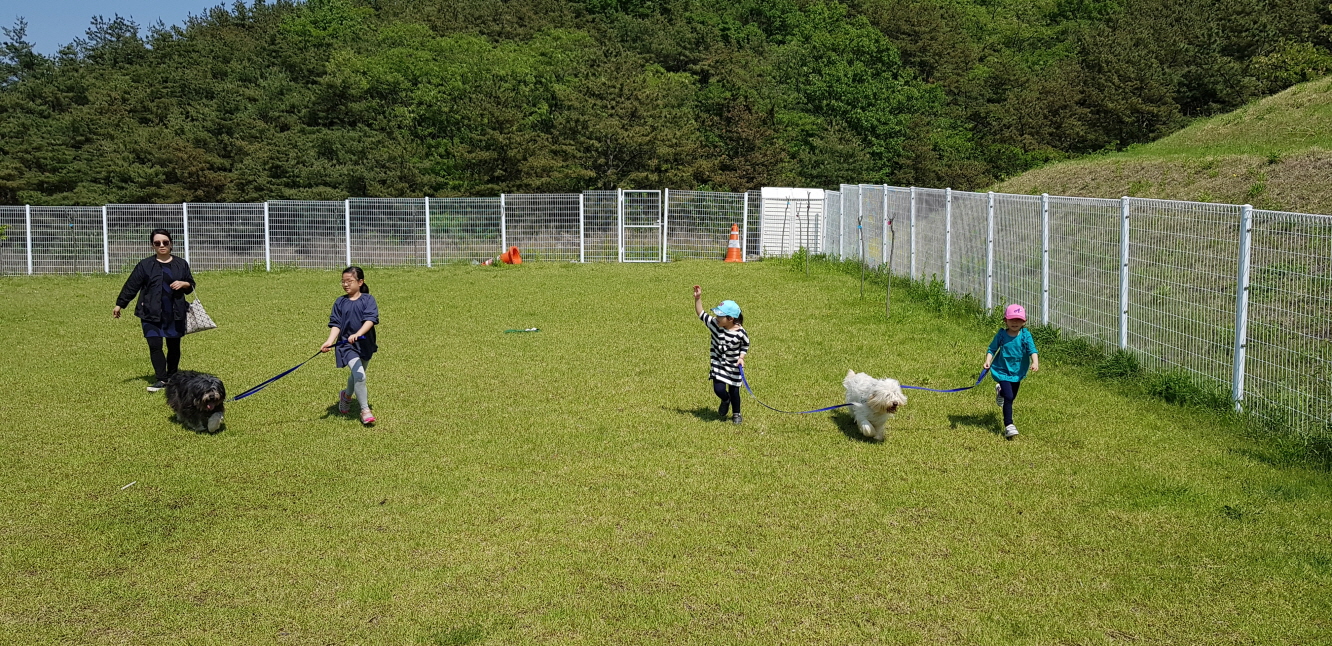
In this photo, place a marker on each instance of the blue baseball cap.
(727, 308)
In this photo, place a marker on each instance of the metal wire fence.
(595, 226)
(701, 222)
(1237, 300)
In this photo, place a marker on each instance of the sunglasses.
(161, 243)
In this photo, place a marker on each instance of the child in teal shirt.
(1011, 353)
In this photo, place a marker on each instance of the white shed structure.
(791, 218)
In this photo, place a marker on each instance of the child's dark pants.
(729, 395)
(1009, 391)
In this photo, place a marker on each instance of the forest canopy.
(327, 99)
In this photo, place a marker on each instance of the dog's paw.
(214, 422)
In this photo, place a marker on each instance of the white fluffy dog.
(872, 401)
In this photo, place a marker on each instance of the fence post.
(883, 238)
(989, 253)
(823, 221)
(619, 224)
(27, 236)
(948, 239)
(1123, 272)
(185, 227)
(744, 237)
(1045, 258)
(268, 262)
(582, 236)
(346, 227)
(106, 245)
(841, 227)
(504, 234)
(665, 220)
(913, 233)
(427, 223)
(1242, 308)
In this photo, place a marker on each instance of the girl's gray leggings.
(356, 382)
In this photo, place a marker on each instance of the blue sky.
(52, 23)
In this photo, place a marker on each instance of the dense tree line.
(332, 98)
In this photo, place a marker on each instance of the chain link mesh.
(128, 227)
(1084, 266)
(14, 240)
(68, 240)
(543, 227)
(1288, 374)
(969, 239)
(226, 236)
(308, 234)
(463, 229)
(1017, 252)
(601, 226)
(832, 222)
(387, 232)
(1183, 269)
(931, 221)
(700, 223)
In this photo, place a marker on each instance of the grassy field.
(573, 485)
(1275, 153)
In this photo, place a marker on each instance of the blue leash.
(283, 374)
(953, 390)
(745, 380)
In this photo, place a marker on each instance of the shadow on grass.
(172, 419)
(846, 423)
(147, 379)
(702, 413)
(332, 411)
(989, 422)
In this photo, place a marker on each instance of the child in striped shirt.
(730, 343)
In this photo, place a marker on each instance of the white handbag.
(196, 319)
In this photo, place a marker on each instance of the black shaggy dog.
(197, 399)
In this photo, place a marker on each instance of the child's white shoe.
(998, 395)
(1010, 432)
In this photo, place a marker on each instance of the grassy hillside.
(1275, 153)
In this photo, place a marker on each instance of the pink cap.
(1015, 311)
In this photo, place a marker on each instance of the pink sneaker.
(344, 402)
(367, 417)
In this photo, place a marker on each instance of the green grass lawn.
(573, 486)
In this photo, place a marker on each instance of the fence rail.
(1239, 299)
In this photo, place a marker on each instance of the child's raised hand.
(698, 291)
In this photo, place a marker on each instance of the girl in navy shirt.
(353, 320)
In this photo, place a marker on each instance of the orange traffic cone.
(511, 257)
(733, 247)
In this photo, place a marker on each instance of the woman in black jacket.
(161, 282)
